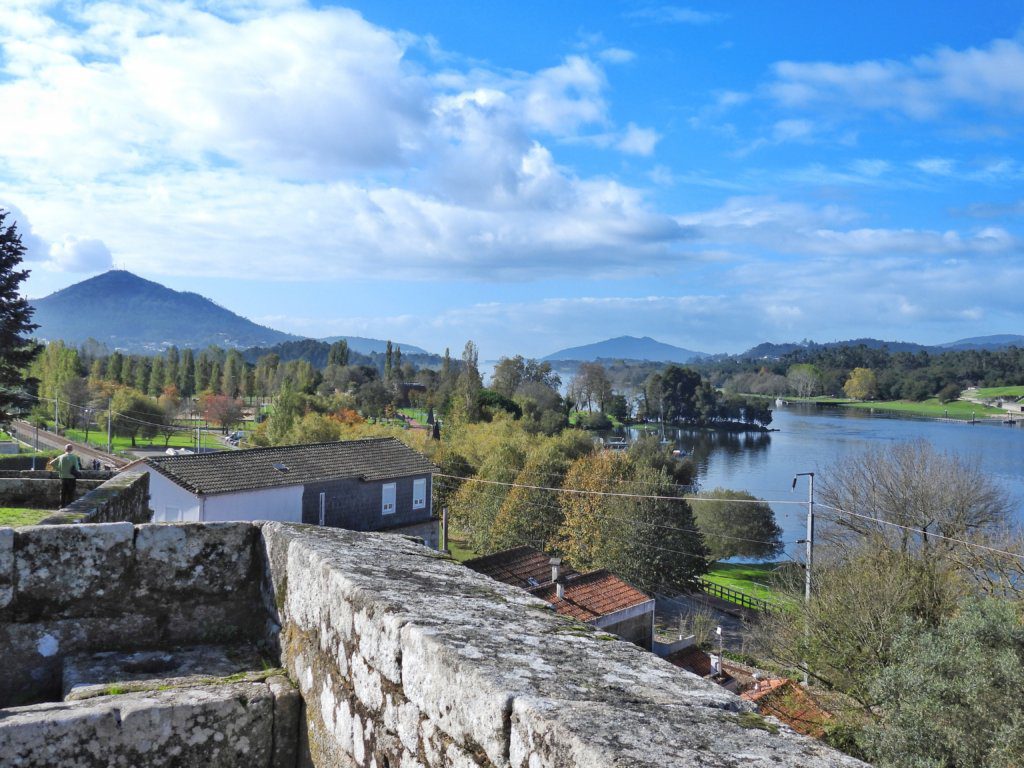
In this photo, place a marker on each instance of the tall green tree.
(17, 350)
(737, 524)
(951, 697)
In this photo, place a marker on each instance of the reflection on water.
(812, 439)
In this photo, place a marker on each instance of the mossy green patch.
(752, 720)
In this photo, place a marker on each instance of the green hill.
(126, 312)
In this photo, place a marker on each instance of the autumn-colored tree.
(862, 384)
(619, 517)
(221, 410)
(532, 515)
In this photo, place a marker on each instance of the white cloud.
(616, 55)
(936, 166)
(215, 141)
(675, 14)
(74, 254)
(638, 141)
(562, 99)
(922, 88)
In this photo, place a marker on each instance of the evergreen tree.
(338, 353)
(187, 374)
(17, 350)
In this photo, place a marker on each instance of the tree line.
(864, 372)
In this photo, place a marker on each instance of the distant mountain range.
(769, 350)
(627, 348)
(366, 346)
(126, 312)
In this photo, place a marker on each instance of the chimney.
(556, 569)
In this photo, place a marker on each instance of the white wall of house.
(281, 504)
(171, 503)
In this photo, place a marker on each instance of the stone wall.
(41, 493)
(75, 588)
(234, 725)
(404, 658)
(123, 498)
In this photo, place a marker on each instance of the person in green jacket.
(67, 466)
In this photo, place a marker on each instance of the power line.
(581, 491)
(882, 521)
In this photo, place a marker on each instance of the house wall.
(356, 505)
(281, 504)
(163, 494)
(635, 624)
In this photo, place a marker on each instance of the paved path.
(27, 434)
(732, 618)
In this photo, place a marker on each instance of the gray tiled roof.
(381, 458)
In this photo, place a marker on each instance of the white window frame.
(419, 493)
(388, 498)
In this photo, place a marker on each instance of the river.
(811, 438)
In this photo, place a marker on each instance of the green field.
(181, 439)
(987, 392)
(459, 549)
(933, 408)
(754, 579)
(16, 516)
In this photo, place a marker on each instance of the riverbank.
(958, 410)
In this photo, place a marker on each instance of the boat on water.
(616, 444)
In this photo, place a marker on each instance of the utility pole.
(809, 541)
(110, 405)
(56, 429)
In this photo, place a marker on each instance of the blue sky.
(531, 175)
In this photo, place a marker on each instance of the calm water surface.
(812, 439)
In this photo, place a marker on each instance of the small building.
(791, 704)
(375, 484)
(599, 598)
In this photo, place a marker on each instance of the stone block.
(288, 717)
(227, 726)
(73, 566)
(6, 567)
(90, 674)
(207, 558)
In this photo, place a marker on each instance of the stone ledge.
(248, 725)
(407, 656)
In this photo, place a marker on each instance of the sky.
(530, 175)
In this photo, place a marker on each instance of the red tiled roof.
(592, 595)
(791, 704)
(523, 567)
(692, 659)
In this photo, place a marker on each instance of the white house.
(375, 484)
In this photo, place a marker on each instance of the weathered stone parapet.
(105, 587)
(122, 498)
(248, 725)
(37, 492)
(406, 659)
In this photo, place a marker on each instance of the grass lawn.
(986, 392)
(460, 549)
(932, 408)
(16, 516)
(754, 579)
(418, 414)
(182, 439)
(958, 409)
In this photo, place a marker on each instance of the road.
(47, 440)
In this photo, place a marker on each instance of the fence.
(733, 596)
